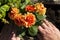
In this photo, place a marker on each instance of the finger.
(44, 26)
(48, 31)
(18, 38)
(13, 37)
(41, 29)
(47, 28)
(47, 23)
(54, 28)
(52, 25)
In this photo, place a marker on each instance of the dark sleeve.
(6, 32)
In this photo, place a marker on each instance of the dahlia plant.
(25, 14)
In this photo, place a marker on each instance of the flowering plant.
(25, 14)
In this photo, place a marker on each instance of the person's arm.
(49, 31)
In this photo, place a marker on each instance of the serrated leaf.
(3, 1)
(33, 30)
(0, 16)
(3, 13)
(23, 6)
(17, 3)
(5, 21)
(3, 10)
(5, 7)
(27, 1)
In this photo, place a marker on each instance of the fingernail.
(40, 27)
(46, 20)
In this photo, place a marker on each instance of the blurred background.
(53, 12)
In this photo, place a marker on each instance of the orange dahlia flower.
(11, 15)
(14, 10)
(30, 8)
(19, 20)
(30, 19)
(42, 11)
(40, 8)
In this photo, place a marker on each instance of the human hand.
(49, 31)
(14, 37)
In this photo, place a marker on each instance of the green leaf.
(21, 31)
(23, 6)
(0, 3)
(5, 21)
(3, 13)
(5, 7)
(27, 1)
(0, 16)
(22, 34)
(40, 17)
(3, 10)
(3, 1)
(17, 3)
(21, 38)
(33, 30)
(12, 1)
